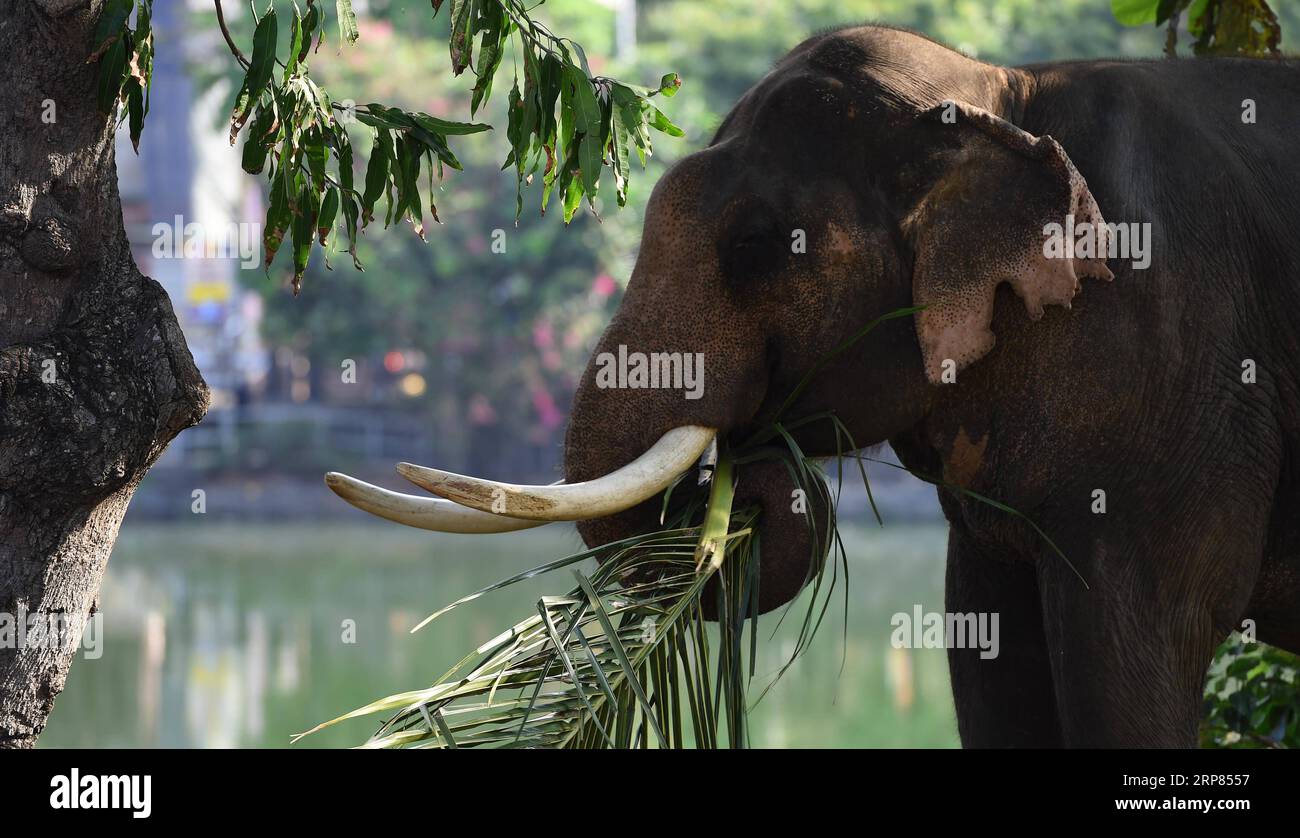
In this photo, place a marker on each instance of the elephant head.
(871, 170)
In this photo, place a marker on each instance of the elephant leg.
(1004, 701)
(1129, 653)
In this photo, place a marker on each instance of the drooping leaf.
(112, 21)
(329, 209)
(461, 38)
(135, 107)
(351, 212)
(256, 144)
(317, 155)
(347, 21)
(660, 122)
(494, 27)
(585, 105)
(112, 69)
(278, 215)
(295, 44)
(446, 127)
(304, 228)
(376, 173)
(260, 68)
(619, 159)
(589, 161)
(628, 112)
(310, 24)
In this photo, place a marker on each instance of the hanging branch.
(564, 123)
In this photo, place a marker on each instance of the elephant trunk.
(611, 425)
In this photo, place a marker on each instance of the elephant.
(1131, 387)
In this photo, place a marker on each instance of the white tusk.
(644, 477)
(425, 513)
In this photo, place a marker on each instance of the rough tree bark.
(95, 376)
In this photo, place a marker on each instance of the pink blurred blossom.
(543, 334)
(547, 413)
(480, 410)
(604, 285)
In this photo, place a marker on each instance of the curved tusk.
(644, 477)
(425, 513)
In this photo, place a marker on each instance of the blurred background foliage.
(1252, 697)
(1215, 27)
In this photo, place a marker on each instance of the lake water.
(221, 635)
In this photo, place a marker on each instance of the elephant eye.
(750, 246)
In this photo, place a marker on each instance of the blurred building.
(176, 206)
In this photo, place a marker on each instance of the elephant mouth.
(622, 502)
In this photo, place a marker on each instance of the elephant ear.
(983, 222)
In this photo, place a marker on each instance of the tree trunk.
(95, 376)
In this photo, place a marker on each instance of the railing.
(309, 434)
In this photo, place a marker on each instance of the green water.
(234, 636)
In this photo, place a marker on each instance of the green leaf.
(564, 180)
(669, 84)
(317, 156)
(585, 105)
(111, 24)
(376, 174)
(629, 113)
(619, 159)
(516, 131)
(379, 116)
(447, 128)
(329, 209)
(462, 44)
(549, 81)
(343, 149)
(494, 26)
(347, 21)
(350, 214)
(135, 106)
(260, 68)
(406, 177)
(255, 145)
(304, 224)
(662, 123)
(310, 22)
(295, 44)
(262, 64)
(437, 145)
(582, 57)
(1196, 17)
(1134, 12)
(278, 215)
(572, 197)
(589, 159)
(112, 69)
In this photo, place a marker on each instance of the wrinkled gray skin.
(1136, 391)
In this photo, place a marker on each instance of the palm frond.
(625, 659)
